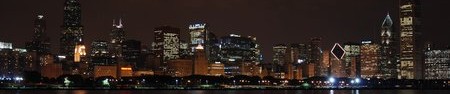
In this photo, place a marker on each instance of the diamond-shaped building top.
(337, 51)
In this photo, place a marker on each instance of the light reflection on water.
(224, 91)
(79, 92)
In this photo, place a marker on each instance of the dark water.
(224, 91)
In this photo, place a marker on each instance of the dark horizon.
(270, 21)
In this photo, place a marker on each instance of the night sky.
(271, 21)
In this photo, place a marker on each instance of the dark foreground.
(224, 91)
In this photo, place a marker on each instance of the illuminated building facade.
(437, 64)
(410, 52)
(370, 58)
(198, 34)
(389, 49)
(80, 54)
(80, 65)
(352, 59)
(166, 46)
(5, 45)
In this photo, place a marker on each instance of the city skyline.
(279, 17)
(398, 44)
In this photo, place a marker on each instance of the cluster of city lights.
(333, 80)
(11, 79)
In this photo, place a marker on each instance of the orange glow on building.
(100, 71)
(125, 69)
(80, 51)
(126, 72)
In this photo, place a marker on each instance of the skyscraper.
(389, 49)
(131, 53)
(41, 42)
(117, 37)
(166, 45)
(315, 54)
(352, 59)
(200, 61)
(199, 34)
(326, 64)
(72, 33)
(235, 49)
(279, 60)
(297, 59)
(410, 56)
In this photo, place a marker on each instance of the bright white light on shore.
(62, 57)
(332, 80)
(357, 80)
(18, 78)
(40, 16)
(300, 61)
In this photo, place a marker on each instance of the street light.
(331, 80)
(176, 82)
(357, 80)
